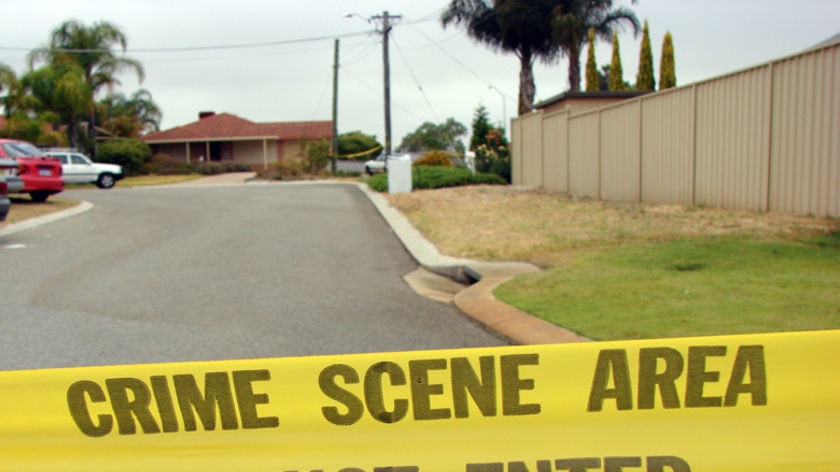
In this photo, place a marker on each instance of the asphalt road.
(204, 273)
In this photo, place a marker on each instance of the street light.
(504, 107)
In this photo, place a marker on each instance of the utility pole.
(334, 147)
(386, 67)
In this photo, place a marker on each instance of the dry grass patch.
(24, 208)
(517, 224)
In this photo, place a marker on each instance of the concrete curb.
(42, 220)
(477, 299)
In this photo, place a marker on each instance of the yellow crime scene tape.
(767, 402)
(363, 153)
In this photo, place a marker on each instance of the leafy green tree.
(616, 79)
(91, 48)
(518, 27)
(356, 142)
(591, 66)
(644, 77)
(480, 127)
(571, 21)
(429, 137)
(667, 69)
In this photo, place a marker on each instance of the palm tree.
(571, 21)
(130, 117)
(511, 26)
(91, 49)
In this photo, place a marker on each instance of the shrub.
(494, 156)
(289, 168)
(132, 154)
(164, 164)
(434, 158)
(214, 168)
(430, 177)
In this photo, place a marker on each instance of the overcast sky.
(435, 73)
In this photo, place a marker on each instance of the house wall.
(762, 139)
(254, 154)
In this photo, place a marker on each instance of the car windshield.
(21, 149)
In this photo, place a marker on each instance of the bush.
(132, 154)
(429, 177)
(434, 158)
(214, 168)
(164, 164)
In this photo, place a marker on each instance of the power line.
(205, 48)
(457, 61)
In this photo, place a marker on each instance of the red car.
(41, 174)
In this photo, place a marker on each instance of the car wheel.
(105, 180)
(368, 171)
(39, 197)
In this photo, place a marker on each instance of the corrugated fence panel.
(733, 139)
(620, 159)
(517, 160)
(556, 154)
(532, 170)
(584, 168)
(805, 161)
(668, 147)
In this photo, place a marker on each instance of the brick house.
(225, 137)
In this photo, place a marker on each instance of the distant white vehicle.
(79, 169)
(376, 166)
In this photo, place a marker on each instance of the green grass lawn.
(687, 288)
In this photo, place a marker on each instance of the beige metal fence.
(762, 139)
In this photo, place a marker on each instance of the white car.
(376, 166)
(79, 169)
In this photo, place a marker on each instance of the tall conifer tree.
(667, 68)
(591, 65)
(644, 78)
(616, 82)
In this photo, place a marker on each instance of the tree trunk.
(574, 70)
(527, 89)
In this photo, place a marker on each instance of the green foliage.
(164, 164)
(129, 117)
(592, 84)
(214, 168)
(434, 158)
(356, 142)
(519, 27)
(429, 137)
(667, 68)
(132, 154)
(316, 155)
(480, 127)
(573, 19)
(494, 156)
(616, 79)
(438, 177)
(644, 78)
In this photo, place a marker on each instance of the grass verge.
(621, 271)
(686, 288)
(23, 208)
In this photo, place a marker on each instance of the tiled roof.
(224, 126)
